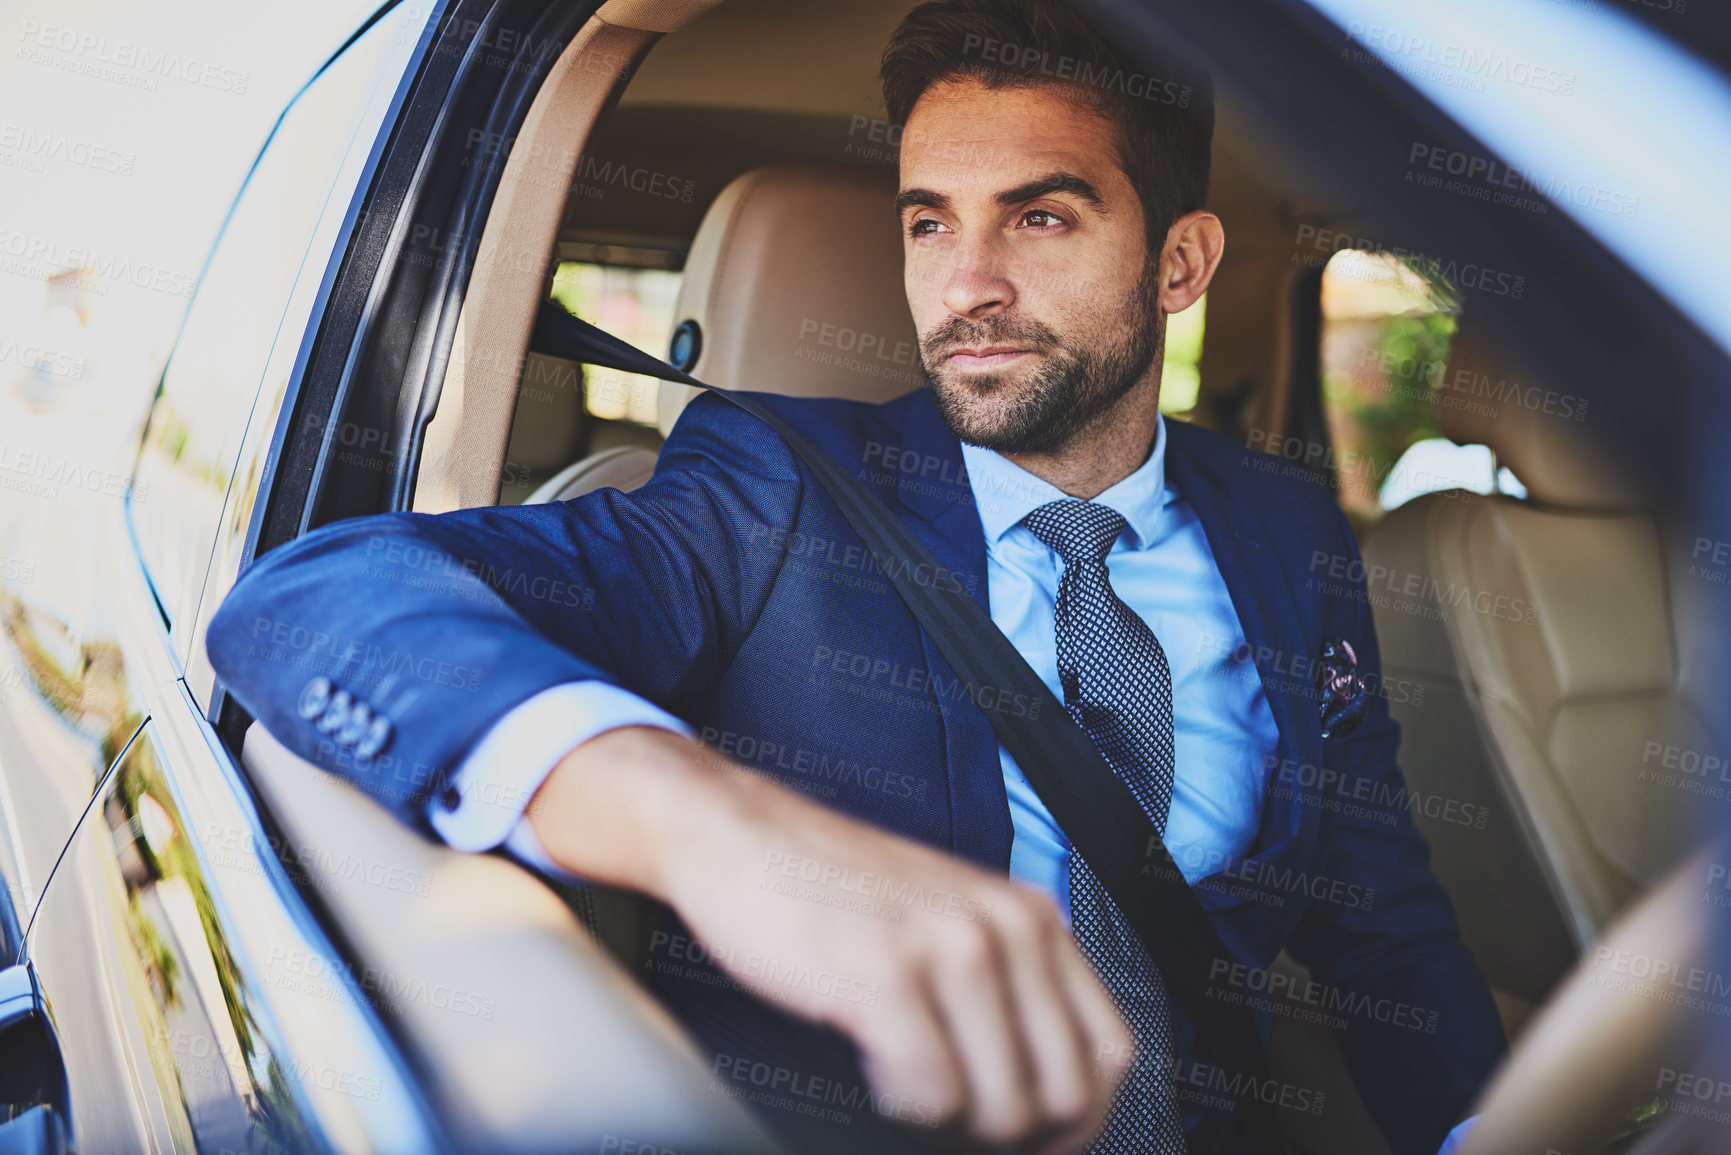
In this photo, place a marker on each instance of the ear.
(1194, 245)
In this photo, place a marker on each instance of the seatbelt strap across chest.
(1092, 805)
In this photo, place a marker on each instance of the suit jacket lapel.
(937, 503)
(1268, 613)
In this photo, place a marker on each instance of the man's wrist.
(644, 808)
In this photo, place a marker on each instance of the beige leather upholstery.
(1531, 648)
(654, 15)
(625, 467)
(1606, 1044)
(529, 1037)
(795, 283)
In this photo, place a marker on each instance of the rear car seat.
(1530, 653)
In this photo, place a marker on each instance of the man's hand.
(985, 1019)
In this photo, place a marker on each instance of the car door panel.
(196, 1001)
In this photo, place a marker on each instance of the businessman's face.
(1027, 265)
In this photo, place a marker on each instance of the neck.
(1110, 449)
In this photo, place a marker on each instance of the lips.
(985, 357)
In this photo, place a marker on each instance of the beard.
(1073, 386)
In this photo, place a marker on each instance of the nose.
(975, 283)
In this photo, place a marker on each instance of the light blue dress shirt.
(1161, 566)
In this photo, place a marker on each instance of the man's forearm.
(631, 806)
(992, 1020)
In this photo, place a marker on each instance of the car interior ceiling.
(1524, 722)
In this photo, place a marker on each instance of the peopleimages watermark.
(1427, 57)
(862, 891)
(1229, 977)
(1692, 1093)
(1689, 770)
(32, 149)
(1478, 276)
(1258, 881)
(847, 563)
(758, 1083)
(1087, 74)
(825, 773)
(1464, 387)
(282, 640)
(1211, 1085)
(42, 474)
(123, 61)
(1360, 796)
(199, 1055)
(1349, 574)
(1718, 892)
(1710, 561)
(308, 862)
(883, 140)
(323, 976)
(40, 359)
(683, 957)
(1666, 980)
(394, 559)
(1490, 179)
(880, 679)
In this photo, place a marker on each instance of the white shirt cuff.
(500, 775)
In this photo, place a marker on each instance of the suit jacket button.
(450, 798)
(378, 733)
(315, 695)
(354, 726)
(336, 712)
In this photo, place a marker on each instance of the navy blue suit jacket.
(730, 590)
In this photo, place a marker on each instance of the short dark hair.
(1164, 115)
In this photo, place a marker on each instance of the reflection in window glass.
(1385, 341)
(635, 305)
(214, 376)
(1181, 372)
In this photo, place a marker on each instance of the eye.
(1041, 219)
(923, 227)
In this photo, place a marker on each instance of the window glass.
(1385, 341)
(633, 304)
(237, 316)
(1181, 371)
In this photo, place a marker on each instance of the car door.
(173, 952)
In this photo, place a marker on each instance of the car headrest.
(794, 285)
(1540, 429)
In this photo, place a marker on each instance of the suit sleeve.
(424, 630)
(1422, 1032)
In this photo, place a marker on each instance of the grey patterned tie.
(1118, 688)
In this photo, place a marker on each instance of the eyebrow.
(921, 198)
(1058, 182)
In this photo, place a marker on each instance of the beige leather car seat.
(793, 285)
(1531, 651)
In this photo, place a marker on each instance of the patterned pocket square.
(1341, 694)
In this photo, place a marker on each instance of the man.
(1051, 204)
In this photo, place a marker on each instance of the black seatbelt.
(1092, 805)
